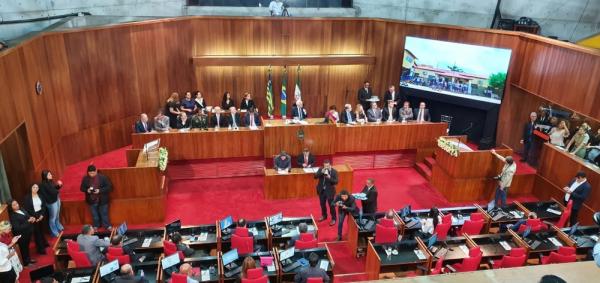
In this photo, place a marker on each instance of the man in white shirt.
(276, 8)
(234, 118)
(504, 178)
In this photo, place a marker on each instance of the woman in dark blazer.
(227, 101)
(22, 225)
(35, 206)
(247, 102)
(183, 121)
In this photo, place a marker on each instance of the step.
(429, 161)
(423, 170)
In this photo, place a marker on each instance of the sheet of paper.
(302, 122)
(205, 275)
(282, 172)
(203, 236)
(554, 211)
(324, 264)
(516, 214)
(505, 245)
(555, 242)
(464, 249)
(271, 267)
(253, 128)
(307, 170)
(147, 242)
(80, 279)
(254, 231)
(594, 237)
(419, 254)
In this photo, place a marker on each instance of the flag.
(297, 92)
(283, 94)
(269, 95)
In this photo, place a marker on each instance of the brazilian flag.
(269, 95)
(283, 94)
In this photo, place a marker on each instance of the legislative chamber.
(297, 149)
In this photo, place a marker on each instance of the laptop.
(108, 271)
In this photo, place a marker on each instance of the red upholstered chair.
(515, 258)
(178, 278)
(242, 232)
(255, 275)
(535, 224)
(314, 280)
(244, 245)
(387, 222)
(385, 234)
(442, 230)
(564, 217)
(116, 251)
(476, 216)
(72, 246)
(468, 264)
(472, 227)
(303, 245)
(81, 259)
(438, 267)
(170, 248)
(307, 237)
(564, 254)
(569, 207)
(566, 250)
(447, 218)
(123, 259)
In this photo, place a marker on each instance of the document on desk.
(554, 211)
(302, 122)
(147, 242)
(324, 264)
(271, 267)
(282, 172)
(205, 275)
(555, 242)
(505, 245)
(254, 128)
(464, 249)
(310, 170)
(254, 231)
(203, 237)
(83, 279)
(419, 254)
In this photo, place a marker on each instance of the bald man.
(128, 276)
(143, 126)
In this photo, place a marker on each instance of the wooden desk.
(200, 144)
(490, 244)
(261, 234)
(406, 260)
(323, 254)
(358, 234)
(388, 136)
(203, 263)
(289, 229)
(299, 184)
(190, 234)
(318, 136)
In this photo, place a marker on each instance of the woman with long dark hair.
(49, 190)
(35, 206)
(22, 226)
(227, 101)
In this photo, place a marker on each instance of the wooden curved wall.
(96, 81)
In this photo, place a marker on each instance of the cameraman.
(504, 178)
(345, 204)
(328, 178)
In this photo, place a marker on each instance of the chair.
(442, 230)
(447, 218)
(244, 245)
(242, 232)
(535, 224)
(123, 259)
(470, 263)
(569, 207)
(566, 250)
(303, 245)
(563, 255)
(72, 246)
(170, 248)
(314, 280)
(476, 216)
(515, 258)
(438, 267)
(307, 237)
(385, 234)
(116, 251)
(81, 259)
(387, 222)
(255, 275)
(178, 278)
(472, 227)
(562, 222)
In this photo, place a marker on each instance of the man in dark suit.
(346, 205)
(364, 94)
(312, 271)
(577, 191)
(282, 162)
(234, 118)
(374, 114)
(218, 120)
(369, 205)
(127, 276)
(348, 116)
(422, 113)
(305, 159)
(143, 126)
(389, 113)
(252, 119)
(298, 111)
(97, 187)
(527, 137)
(328, 178)
(391, 96)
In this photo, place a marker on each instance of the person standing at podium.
(282, 162)
(504, 178)
(328, 178)
(364, 94)
(369, 205)
(305, 159)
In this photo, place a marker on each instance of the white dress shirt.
(572, 188)
(37, 203)
(5, 264)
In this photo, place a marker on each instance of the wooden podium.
(467, 177)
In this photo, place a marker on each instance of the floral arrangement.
(448, 146)
(163, 158)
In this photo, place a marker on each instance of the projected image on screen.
(455, 69)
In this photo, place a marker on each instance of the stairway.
(424, 168)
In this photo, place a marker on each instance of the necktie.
(251, 120)
(420, 119)
(348, 116)
(306, 158)
(145, 127)
(218, 122)
(233, 119)
(300, 113)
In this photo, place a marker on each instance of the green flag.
(269, 95)
(283, 95)
(297, 92)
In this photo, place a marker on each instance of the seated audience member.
(578, 142)
(143, 126)
(347, 116)
(346, 205)
(282, 162)
(428, 224)
(559, 134)
(247, 102)
(369, 205)
(218, 120)
(161, 122)
(592, 153)
(199, 101)
(312, 271)
(360, 114)
(227, 102)
(234, 118)
(405, 113)
(515, 227)
(247, 264)
(389, 214)
(6, 235)
(200, 120)
(126, 275)
(188, 105)
(332, 116)
(302, 229)
(252, 119)
(91, 244)
(551, 279)
(298, 111)
(242, 223)
(35, 206)
(374, 114)
(183, 122)
(186, 269)
(389, 113)
(422, 113)
(176, 239)
(117, 242)
(22, 226)
(305, 159)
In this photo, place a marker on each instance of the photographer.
(328, 178)
(276, 8)
(504, 178)
(345, 204)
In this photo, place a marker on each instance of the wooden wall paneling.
(10, 117)
(17, 163)
(147, 182)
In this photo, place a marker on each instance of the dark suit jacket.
(528, 132)
(247, 119)
(310, 272)
(363, 96)
(326, 185)
(139, 127)
(222, 121)
(238, 121)
(580, 194)
(388, 96)
(350, 204)
(130, 279)
(425, 116)
(247, 104)
(344, 119)
(370, 204)
(105, 187)
(300, 159)
(295, 112)
(19, 223)
(386, 114)
(28, 206)
(182, 125)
